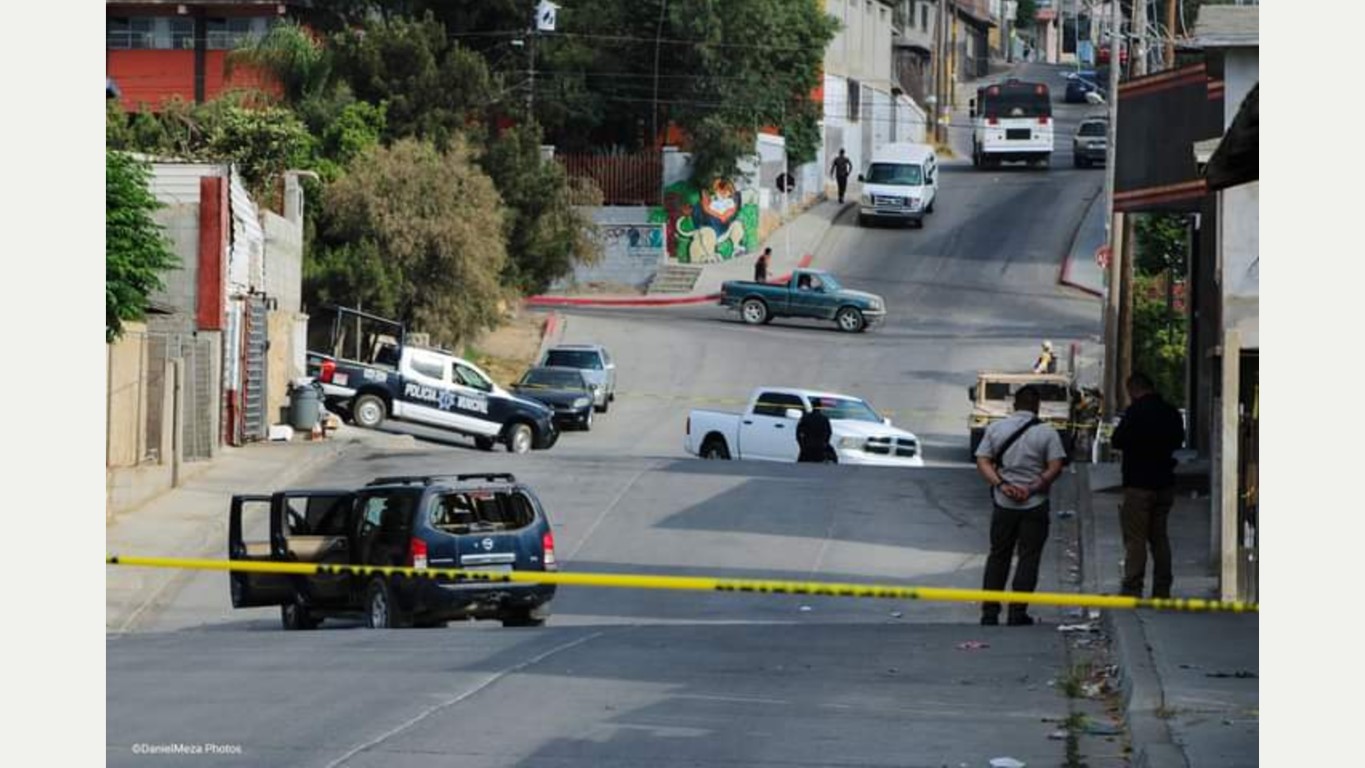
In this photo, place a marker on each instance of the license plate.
(1018, 133)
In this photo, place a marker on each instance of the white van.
(901, 183)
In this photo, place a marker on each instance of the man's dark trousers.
(1011, 529)
(843, 186)
(1143, 516)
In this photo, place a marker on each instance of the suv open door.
(254, 589)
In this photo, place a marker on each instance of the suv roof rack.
(429, 479)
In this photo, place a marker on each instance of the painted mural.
(709, 225)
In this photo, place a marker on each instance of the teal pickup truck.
(809, 293)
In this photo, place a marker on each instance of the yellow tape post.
(698, 584)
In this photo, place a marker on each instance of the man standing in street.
(841, 169)
(1020, 457)
(1150, 431)
(812, 435)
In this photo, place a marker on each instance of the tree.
(546, 235)
(413, 233)
(135, 250)
(433, 88)
(299, 62)
(1026, 13)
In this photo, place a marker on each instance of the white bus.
(1011, 121)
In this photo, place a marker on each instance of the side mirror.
(971, 394)
(971, 108)
(860, 177)
(886, 420)
(794, 413)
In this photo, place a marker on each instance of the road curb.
(1139, 684)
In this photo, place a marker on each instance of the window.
(388, 514)
(574, 358)
(855, 92)
(481, 511)
(776, 404)
(554, 379)
(317, 515)
(894, 173)
(428, 367)
(471, 378)
(136, 32)
(229, 33)
(182, 34)
(846, 409)
(1094, 128)
(924, 17)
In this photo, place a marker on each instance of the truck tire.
(295, 616)
(484, 443)
(381, 610)
(850, 320)
(754, 311)
(714, 448)
(370, 411)
(519, 438)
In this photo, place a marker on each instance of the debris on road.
(1007, 762)
(973, 645)
(1086, 627)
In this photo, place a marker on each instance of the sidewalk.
(807, 231)
(191, 521)
(1190, 686)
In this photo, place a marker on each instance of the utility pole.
(1113, 222)
(531, 81)
(1170, 34)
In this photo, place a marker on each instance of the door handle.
(747, 421)
(779, 426)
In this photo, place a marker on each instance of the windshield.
(895, 173)
(547, 379)
(846, 408)
(574, 358)
(828, 283)
(1093, 129)
(1028, 101)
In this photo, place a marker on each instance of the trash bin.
(305, 405)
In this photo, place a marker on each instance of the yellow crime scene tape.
(700, 584)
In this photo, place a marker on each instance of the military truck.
(992, 399)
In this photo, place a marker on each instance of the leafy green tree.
(413, 233)
(1159, 340)
(1026, 13)
(546, 235)
(135, 250)
(433, 88)
(297, 60)
(1161, 243)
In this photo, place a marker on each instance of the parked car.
(565, 390)
(809, 293)
(596, 364)
(472, 521)
(1091, 142)
(1080, 84)
(429, 386)
(766, 430)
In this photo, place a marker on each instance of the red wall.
(152, 76)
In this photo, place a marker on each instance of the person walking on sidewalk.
(1020, 457)
(812, 435)
(761, 266)
(1150, 431)
(841, 169)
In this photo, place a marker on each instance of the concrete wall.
(633, 245)
(862, 47)
(125, 359)
(1240, 235)
(284, 262)
(181, 227)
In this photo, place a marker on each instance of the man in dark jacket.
(841, 170)
(812, 435)
(761, 266)
(1151, 430)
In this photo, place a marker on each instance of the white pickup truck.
(767, 430)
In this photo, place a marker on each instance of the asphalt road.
(625, 677)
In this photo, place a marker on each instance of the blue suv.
(486, 522)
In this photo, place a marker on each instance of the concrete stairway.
(674, 278)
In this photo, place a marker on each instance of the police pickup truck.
(433, 387)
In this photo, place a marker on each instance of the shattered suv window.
(481, 511)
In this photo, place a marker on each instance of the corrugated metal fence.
(633, 179)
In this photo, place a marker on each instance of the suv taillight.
(992, 121)
(417, 553)
(547, 542)
(329, 367)
(1042, 120)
